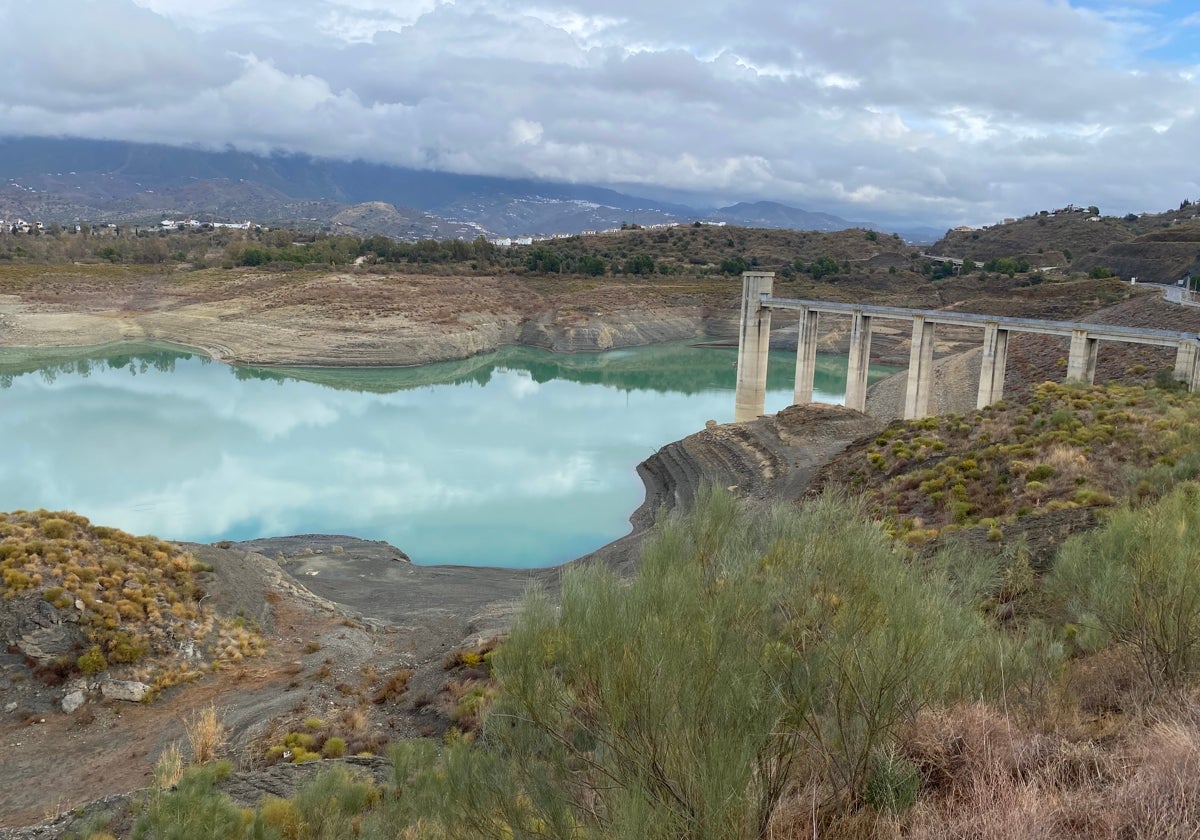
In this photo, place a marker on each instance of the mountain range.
(69, 180)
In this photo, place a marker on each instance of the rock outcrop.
(774, 456)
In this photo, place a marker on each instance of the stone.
(10, 707)
(44, 615)
(72, 701)
(44, 645)
(128, 690)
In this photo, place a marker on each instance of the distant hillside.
(1157, 247)
(69, 180)
(66, 180)
(769, 214)
(697, 248)
(377, 217)
(1162, 256)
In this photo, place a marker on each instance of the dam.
(755, 332)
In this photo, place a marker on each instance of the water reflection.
(50, 364)
(676, 367)
(519, 458)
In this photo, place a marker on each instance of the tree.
(543, 259)
(733, 265)
(592, 265)
(640, 264)
(483, 250)
(1006, 265)
(822, 267)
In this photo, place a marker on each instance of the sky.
(938, 112)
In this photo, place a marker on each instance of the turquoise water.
(517, 458)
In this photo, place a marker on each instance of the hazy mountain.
(67, 180)
(769, 214)
(400, 223)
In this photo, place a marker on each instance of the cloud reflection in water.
(520, 458)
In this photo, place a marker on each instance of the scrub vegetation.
(136, 601)
(1065, 447)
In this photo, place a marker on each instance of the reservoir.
(518, 458)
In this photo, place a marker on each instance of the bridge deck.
(1103, 332)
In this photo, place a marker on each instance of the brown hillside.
(1157, 248)
(1164, 256)
(706, 246)
(1036, 236)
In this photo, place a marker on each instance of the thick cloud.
(945, 111)
(71, 56)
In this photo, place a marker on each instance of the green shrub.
(194, 810)
(1040, 473)
(57, 529)
(752, 642)
(1137, 581)
(92, 662)
(893, 783)
(331, 805)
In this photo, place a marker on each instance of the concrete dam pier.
(755, 332)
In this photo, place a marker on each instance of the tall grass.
(206, 735)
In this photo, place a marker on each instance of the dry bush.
(1068, 462)
(1110, 681)
(1161, 799)
(206, 735)
(168, 770)
(986, 777)
(394, 687)
(953, 748)
(354, 722)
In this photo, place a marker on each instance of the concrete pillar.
(1081, 364)
(920, 370)
(860, 359)
(806, 357)
(1185, 363)
(991, 369)
(754, 343)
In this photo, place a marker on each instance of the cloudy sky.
(937, 111)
